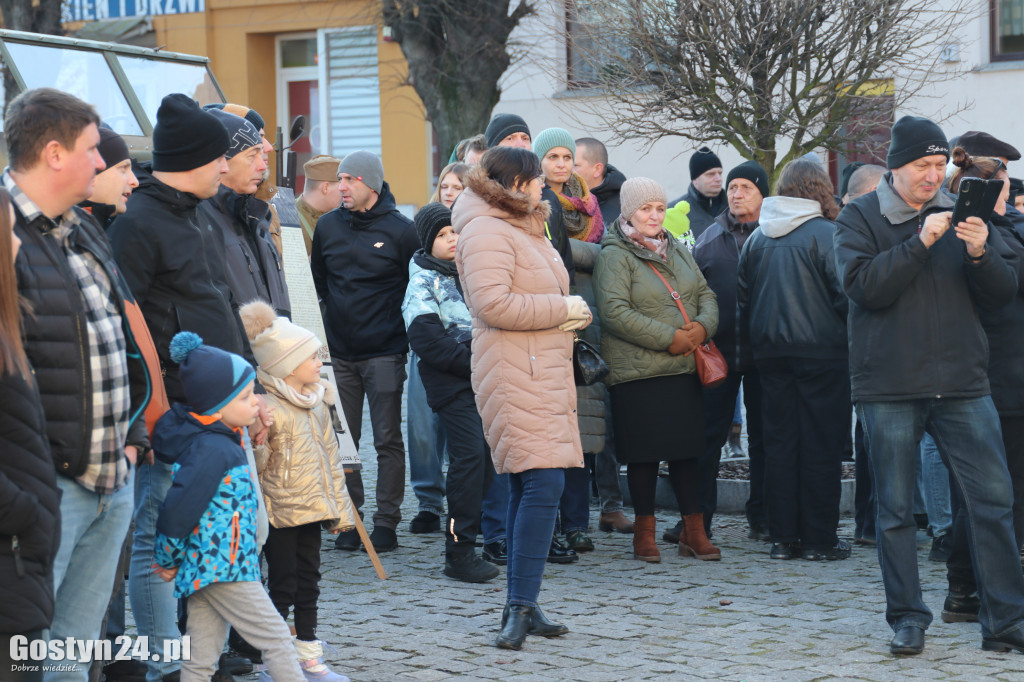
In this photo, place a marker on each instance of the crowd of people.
(151, 378)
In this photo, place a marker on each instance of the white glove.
(578, 316)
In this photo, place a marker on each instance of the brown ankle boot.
(644, 546)
(693, 541)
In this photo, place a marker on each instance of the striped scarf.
(581, 213)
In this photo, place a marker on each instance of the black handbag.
(588, 367)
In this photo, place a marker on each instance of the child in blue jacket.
(206, 529)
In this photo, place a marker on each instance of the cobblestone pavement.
(743, 618)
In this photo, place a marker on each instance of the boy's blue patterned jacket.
(440, 328)
(207, 523)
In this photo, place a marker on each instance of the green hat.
(677, 219)
(548, 139)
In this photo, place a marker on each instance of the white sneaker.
(311, 658)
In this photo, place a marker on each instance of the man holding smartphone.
(918, 361)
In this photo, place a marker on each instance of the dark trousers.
(806, 413)
(380, 381)
(469, 472)
(1013, 441)
(864, 497)
(574, 507)
(293, 576)
(719, 407)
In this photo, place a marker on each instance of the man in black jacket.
(717, 253)
(174, 267)
(360, 264)
(92, 381)
(252, 266)
(706, 197)
(603, 179)
(918, 361)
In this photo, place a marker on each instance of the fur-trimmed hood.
(486, 197)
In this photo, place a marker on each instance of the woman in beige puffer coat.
(517, 290)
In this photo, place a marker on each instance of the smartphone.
(976, 199)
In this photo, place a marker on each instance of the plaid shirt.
(107, 470)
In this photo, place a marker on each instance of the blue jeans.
(153, 604)
(494, 510)
(575, 504)
(967, 433)
(935, 488)
(92, 530)
(426, 444)
(532, 506)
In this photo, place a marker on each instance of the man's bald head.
(865, 179)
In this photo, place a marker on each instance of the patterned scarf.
(581, 213)
(658, 245)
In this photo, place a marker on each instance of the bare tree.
(456, 51)
(751, 73)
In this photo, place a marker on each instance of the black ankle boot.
(539, 624)
(513, 632)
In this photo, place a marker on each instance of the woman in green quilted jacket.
(656, 400)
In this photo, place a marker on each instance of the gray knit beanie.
(636, 192)
(364, 166)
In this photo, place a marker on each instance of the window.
(350, 89)
(153, 79)
(1006, 35)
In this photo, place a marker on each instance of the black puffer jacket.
(717, 253)
(788, 289)
(703, 210)
(1005, 327)
(607, 194)
(360, 263)
(557, 233)
(175, 268)
(252, 266)
(29, 510)
(914, 327)
(57, 343)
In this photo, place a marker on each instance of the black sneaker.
(425, 522)
(469, 568)
(561, 553)
(347, 540)
(785, 551)
(960, 606)
(942, 547)
(496, 552)
(671, 536)
(125, 671)
(383, 539)
(840, 551)
(237, 646)
(579, 541)
(234, 663)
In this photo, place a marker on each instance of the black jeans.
(719, 406)
(293, 576)
(806, 414)
(469, 472)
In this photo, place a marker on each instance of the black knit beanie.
(112, 147)
(844, 180)
(702, 161)
(752, 171)
(503, 125)
(914, 137)
(250, 115)
(242, 134)
(185, 136)
(430, 220)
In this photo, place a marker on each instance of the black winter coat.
(913, 322)
(57, 342)
(703, 210)
(360, 263)
(607, 194)
(557, 233)
(1005, 327)
(717, 253)
(175, 267)
(29, 510)
(252, 266)
(788, 290)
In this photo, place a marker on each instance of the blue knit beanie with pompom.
(210, 376)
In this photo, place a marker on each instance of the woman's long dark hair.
(12, 353)
(510, 167)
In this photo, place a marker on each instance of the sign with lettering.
(92, 10)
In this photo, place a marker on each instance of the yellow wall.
(238, 37)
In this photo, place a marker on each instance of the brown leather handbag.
(711, 365)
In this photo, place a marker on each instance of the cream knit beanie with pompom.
(279, 345)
